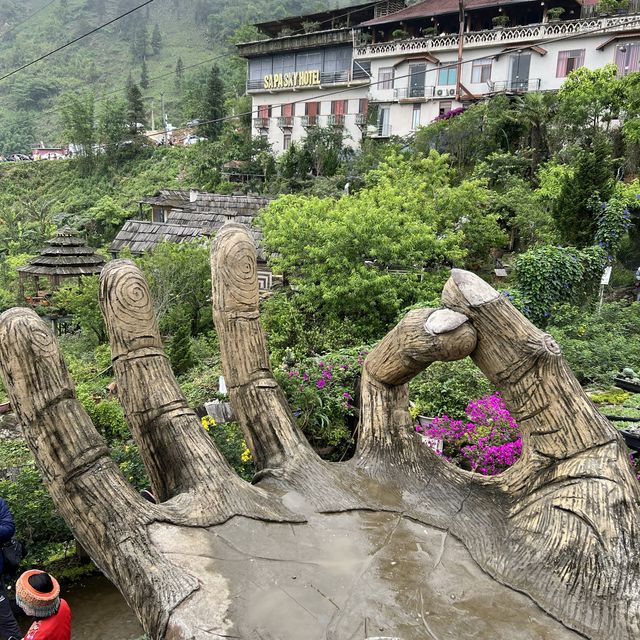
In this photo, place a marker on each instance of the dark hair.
(41, 582)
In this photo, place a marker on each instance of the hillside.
(195, 32)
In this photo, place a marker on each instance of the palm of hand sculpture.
(395, 543)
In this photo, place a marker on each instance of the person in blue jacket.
(8, 624)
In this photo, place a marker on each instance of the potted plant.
(606, 7)
(310, 27)
(501, 21)
(555, 13)
(428, 32)
(399, 34)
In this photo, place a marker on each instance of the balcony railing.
(309, 121)
(361, 119)
(336, 120)
(261, 123)
(514, 86)
(510, 35)
(413, 93)
(285, 122)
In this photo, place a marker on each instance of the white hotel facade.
(383, 70)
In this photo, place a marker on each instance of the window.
(361, 69)
(286, 141)
(568, 61)
(259, 68)
(444, 106)
(287, 110)
(385, 78)
(311, 108)
(384, 130)
(447, 76)
(337, 60)
(627, 58)
(339, 107)
(363, 105)
(481, 70)
(284, 63)
(264, 111)
(415, 116)
(309, 61)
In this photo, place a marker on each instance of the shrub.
(487, 442)
(229, 439)
(447, 387)
(598, 345)
(321, 392)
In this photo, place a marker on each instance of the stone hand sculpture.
(395, 543)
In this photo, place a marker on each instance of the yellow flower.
(208, 422)
(246, 455)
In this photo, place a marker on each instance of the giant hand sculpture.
(395, 543)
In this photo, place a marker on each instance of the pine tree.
(156, 40)
(139, 42)
(144, 75)
(180, 355)
(213, 106)
(179, 74)
(135, 107)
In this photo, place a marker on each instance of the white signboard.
(606, 276)
(435, 443)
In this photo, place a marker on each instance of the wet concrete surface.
(98, 612)
(348, 576)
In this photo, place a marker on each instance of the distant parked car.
(192, 139)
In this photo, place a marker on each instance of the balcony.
(336, 120)
(514, 86)
(285, 122)
(261, 123)
(361, 119)
(510, 35)
(309, 121)
(312, 40)
(414, 94)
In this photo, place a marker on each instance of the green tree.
(144, 75)
(113, 126)
(589, 99)
(356, 262)
(80, 301)
(179, 277)
(78, 120)
(582, 193)
(179, 75)
(135, 107)
(156, 40)
(180, 354)
(213, 105)
(139, 42)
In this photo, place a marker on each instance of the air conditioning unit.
(440, 92)
(452, 92)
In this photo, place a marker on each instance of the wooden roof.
(199, 214)
(65, 255)
(141, 235)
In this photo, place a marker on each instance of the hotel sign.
(292, 80)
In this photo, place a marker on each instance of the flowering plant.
(488, 441)
(321, 393)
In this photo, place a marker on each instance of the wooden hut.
(65, 256)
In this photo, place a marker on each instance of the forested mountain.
(165, 38)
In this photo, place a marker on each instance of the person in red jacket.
(38, 595)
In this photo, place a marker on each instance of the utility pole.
(164, 119)
(153, 116)
(460, 49)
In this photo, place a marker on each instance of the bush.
(488, 441)
(229, 439)
(447, 388)
(321, 392)
(598, 345)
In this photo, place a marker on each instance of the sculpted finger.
(177, 452)
(526, 366)
(422, 337)
(260, 404)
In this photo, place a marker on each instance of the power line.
(68, 44)
(31, 15)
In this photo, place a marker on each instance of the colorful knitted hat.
(37, 593)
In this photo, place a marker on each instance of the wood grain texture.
(558, 530)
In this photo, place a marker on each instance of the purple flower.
(320, 383)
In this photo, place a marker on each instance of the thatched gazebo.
(65, 256)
